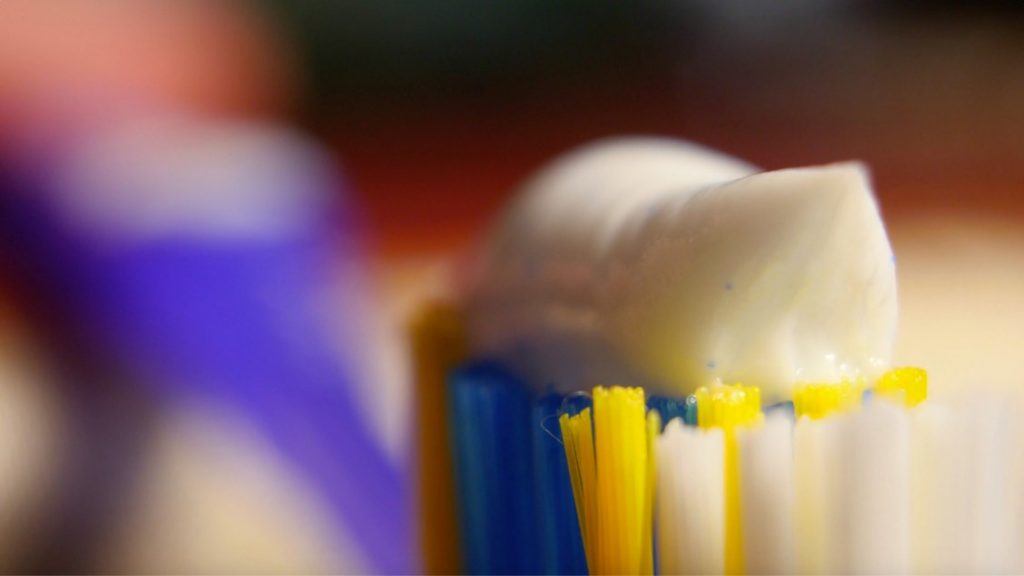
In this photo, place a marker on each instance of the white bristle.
(874, 498)
(766, 455)
(691, 500)
(967, 488)
(816, 468)
(881, 489)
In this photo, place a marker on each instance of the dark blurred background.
(177, 176)
(440, 109)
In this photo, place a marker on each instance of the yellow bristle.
(906, 385)
(579, 454)
(647, 541)
(729, 407)
(817, 401)
(438, 346)
(612, 478)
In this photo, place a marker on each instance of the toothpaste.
(656, 262)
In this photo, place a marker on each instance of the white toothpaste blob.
(655, 262)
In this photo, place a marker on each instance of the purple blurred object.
(201, 257)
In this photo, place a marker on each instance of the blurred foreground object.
(30, 436)
(213, 267)
(77, 65)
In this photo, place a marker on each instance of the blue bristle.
(573, 404)
(867, 396)
(669, 408)
(492, 443)
(561, 546)
(781, 407)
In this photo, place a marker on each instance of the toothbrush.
(660, 277)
